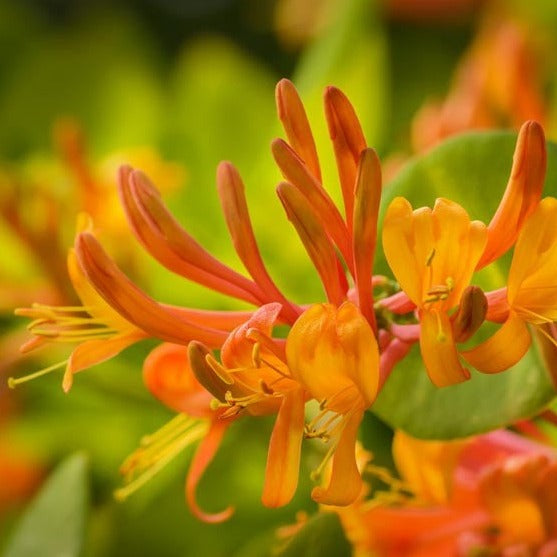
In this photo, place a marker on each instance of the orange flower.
(254, 378)
(531, 293)
(99, 326)
(334, 355)
(494, 494)
(420, 248)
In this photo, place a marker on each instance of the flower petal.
(346, 482)
(235, 209)
(312, 234)
(532, 284)
(283, 460)
(348, 142)
(295, 172)
(201, 459)
(427, 466)
(367, 196)
(439, 350)
(237, 350)
(132, 303)
(398, 245)
(504, 349)
(92, 352)
(294, 120)
(169, 377)
(523, 192)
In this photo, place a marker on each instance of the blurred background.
(173, 87)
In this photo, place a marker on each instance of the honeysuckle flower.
(168, 375)
(494, 494)
(333, 353)
(420, 247)
(255, 378)
(531, 294)
(102, 332)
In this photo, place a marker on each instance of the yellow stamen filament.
(13, 382)
(399, 491)
(70, 324)
(157, 451)
(548, 336)
(315, 475)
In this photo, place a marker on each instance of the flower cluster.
(338, 352)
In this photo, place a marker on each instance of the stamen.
(13, 382)
(315, 475)
(542, 318)
(156, 464)
(430, 257)
(548, 336)
(222, 373)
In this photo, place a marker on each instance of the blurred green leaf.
(473, 170)
(321, 536)
(54, 524)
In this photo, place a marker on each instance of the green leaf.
(54, 523)
(321, 536)
(473, 170)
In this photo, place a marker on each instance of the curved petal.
(504, 349)
(346, 482)
(201, 459)
(427, 466)
(237, 349)
(398, 245)
(523, 192)
(439, 350)
(295, 122)
(283, 460)
(94, 352)
(168, 375)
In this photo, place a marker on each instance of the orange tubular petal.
(151, 237)
(235, 209)
(294, 171)
(169, 377)
(522, 195)
(237, 349)
(283, 460)
(224, 320)
(346, 483)
(94, 352)
(201, 459)
(132, 303)
(314, 238)
(348, 141)
(294, 120)
(504, 349)
(427, 466)
(366, 208)
(439, 350)
(179, 241)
